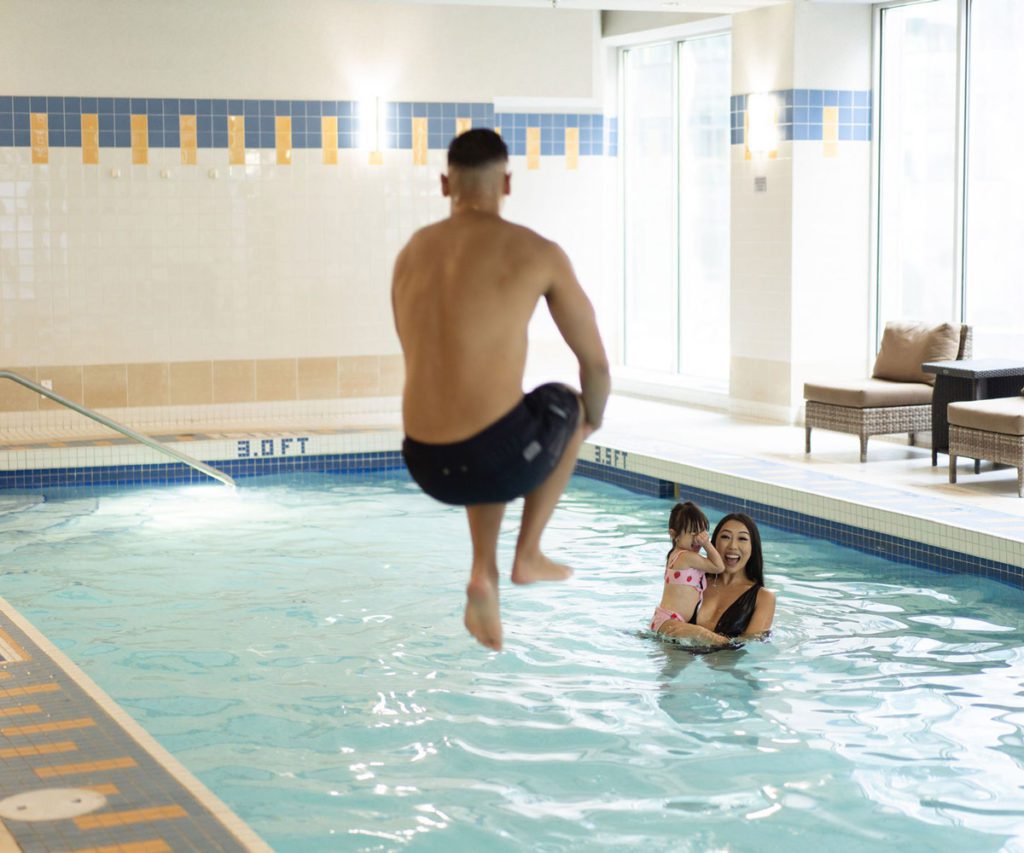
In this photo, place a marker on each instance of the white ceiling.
(703, 7)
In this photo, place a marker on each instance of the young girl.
(685, 567)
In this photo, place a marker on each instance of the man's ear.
(445, 187)
(507, 186)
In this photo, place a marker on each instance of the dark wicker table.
(968, 379)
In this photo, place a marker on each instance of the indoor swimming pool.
(298, 645)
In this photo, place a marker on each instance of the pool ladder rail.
(209, 470)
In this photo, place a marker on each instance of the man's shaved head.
(476, 148)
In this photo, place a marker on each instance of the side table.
(968, 379)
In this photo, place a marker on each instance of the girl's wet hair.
(687, 518)
(755, 565)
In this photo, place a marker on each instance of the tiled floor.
(77, 774)
(896, 470)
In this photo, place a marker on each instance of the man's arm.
(574, 316)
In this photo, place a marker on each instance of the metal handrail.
(209, 470)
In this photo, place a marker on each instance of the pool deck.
(78, 774)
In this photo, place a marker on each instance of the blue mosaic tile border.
(138, 475)
(597, 136)
(800, 114)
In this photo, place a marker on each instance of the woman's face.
(733, 543)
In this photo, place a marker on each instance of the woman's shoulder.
(765, 597)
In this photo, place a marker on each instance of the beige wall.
(163, 283)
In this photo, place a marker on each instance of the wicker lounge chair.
(988, 429)
(898, 396)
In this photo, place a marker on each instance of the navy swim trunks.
(506, 460)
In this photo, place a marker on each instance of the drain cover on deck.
(51, 804)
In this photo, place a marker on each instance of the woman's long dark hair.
(755, 565)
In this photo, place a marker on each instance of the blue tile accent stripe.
(598, 135)
(800, 114)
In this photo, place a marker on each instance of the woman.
(735, 605)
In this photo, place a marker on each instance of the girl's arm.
(712, 564)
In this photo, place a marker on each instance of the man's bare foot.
(538, 568)
(483, 619)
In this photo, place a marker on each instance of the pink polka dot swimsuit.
(688, 577)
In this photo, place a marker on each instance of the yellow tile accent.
(140, 140)
(31, 690)
(42, 728)
(90, 139)
(236, 140)
(283, 139)
(329, 135)
(18, 710)
(153, 845)
(419, 142)
(7, 842)
(85, 767)
(107, 790)
(39, 749)
(462, 125)
(533, 148)
(40, 138)
(18, 651)
(572, 148)
(106, 820)
(830, 131)
(376, 158)
(188, 131)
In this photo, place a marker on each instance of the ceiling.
(701, 7)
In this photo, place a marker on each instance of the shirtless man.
(463, 292)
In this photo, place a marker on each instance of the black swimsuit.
(737, 615)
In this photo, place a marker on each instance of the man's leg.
(530, 564)
(482, 619)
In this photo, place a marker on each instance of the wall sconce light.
(371, 129)
(762, 136)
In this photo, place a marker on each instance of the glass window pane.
(705, 73)
(648, 140)
(917, 150)
(995, 179)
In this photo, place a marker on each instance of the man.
(463, 292)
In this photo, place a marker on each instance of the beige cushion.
(906, 346)
(870, 393)
(1003, 414)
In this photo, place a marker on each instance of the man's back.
(464, 291)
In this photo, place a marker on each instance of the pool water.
(299, 646)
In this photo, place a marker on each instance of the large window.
(676, 166)
(994, 251)
(650, 206)
(928, 267)
(917, 162)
